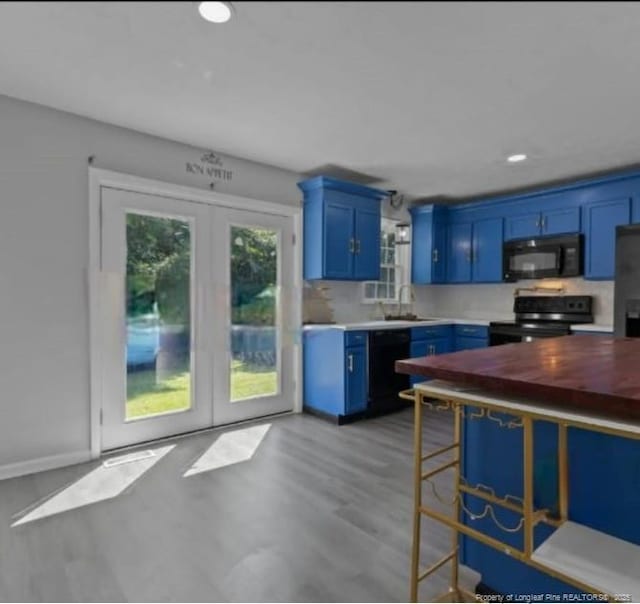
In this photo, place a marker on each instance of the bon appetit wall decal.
(210, 165)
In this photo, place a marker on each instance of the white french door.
(254, 368)
(193, 298)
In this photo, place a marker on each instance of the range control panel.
(553, 304)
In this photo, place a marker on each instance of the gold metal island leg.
(527, 425)
(417, 494)
(563, 473)
(455, 561)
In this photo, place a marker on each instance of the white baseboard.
(41, 464)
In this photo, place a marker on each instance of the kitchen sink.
(406, 318)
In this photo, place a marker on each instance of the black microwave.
(543, 257)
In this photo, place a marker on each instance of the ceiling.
(427, 98)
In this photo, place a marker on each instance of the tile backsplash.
(492, 301)
(495, 301)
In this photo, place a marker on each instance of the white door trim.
(99, 178)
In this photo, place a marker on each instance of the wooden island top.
(592, 373)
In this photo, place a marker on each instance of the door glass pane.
(158, 291)
(254, 303)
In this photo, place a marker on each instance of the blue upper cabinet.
(486, 266)
(522, 226)
(548, 222)
(341, 230)
(560, 221)
(600, 221)
(428, 243)
(474, 252)
(459, 253)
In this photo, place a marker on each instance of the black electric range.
(542, 317)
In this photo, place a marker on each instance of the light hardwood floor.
(320, 513)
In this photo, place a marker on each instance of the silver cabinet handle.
(352, 245)
(538, 225)
(435, 255)
(468, 330)
(357, 246)
(350, 363)
(544, 223)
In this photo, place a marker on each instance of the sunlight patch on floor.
(230, 448)
(106, 481)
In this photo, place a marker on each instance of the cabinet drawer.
(425, 332)
(472, 331)
(355, 338)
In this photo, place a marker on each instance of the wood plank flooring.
(320, 513)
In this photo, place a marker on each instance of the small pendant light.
(403, 230)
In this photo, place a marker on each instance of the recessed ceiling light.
(216, 12)
(516, 158)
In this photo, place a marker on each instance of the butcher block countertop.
(591, 373)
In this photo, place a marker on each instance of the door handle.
(352, 245)
(350, 363)
(357, 246)
(435, 255)
(544, 223)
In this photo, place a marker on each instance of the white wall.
(44, 338)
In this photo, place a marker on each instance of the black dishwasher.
(386, 346)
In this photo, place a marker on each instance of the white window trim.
(403, 267)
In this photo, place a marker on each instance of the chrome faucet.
(382, 308)
(412, 298)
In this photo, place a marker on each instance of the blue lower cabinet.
(335, 371)
(429, 341)
(468, 337)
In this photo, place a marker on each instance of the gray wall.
(44, 249)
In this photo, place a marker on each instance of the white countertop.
(593, 327)
(380, 324)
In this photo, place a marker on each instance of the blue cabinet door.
(421, 245)
(600, 221)
(438, 253)
(419, 348)
(635, 209)
(487, 250)
(469, 343)
(562, 220)
(356, 379)
(367, 246)
(426, 348)
(441, 346)
(459, 253)
(428, 242)
(522, 226)
(339, 242)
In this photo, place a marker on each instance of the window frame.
(401, 265)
